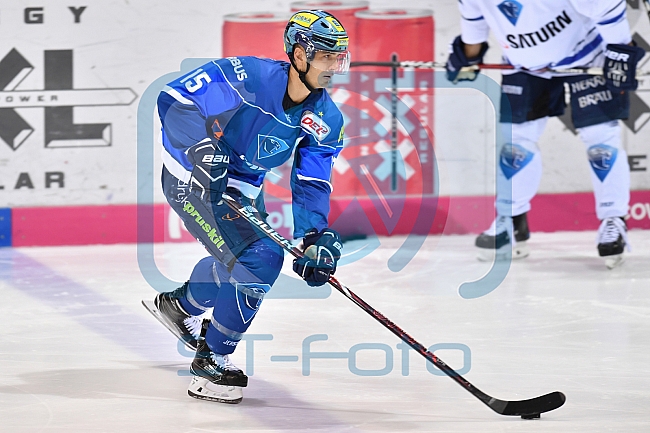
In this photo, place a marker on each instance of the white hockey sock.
(610, 171)
(520, 168)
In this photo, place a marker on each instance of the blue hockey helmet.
(316, 30)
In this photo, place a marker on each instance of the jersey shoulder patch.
(315, 125)
(323, 120)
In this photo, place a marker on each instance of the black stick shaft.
(437, 65)
(412, 342)
(531, 407)
(387, 323)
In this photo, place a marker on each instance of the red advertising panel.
(255, 34)
(375, 164)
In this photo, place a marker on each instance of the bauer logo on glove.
(620, 66)
(209, 175)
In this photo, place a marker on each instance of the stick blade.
(533, 406)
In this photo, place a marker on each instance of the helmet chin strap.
(302, 75)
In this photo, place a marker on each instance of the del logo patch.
(268, 146)
(315, 125)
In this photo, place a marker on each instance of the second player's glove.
(620, 66)
(458, 60)
(210, 173)
(322, 251)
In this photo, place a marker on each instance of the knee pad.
(513, 158)
(522, 148)
(603, 142)
(242, 290)
(249, 299)
(602, 158)
(232, 315)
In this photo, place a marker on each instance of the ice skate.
(167, 309)
(612, 240)
(215, 377)
(202, 389)
(496, 242)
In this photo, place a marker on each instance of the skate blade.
(149, 305)
(202, 389)
(519, 251)
(614, 261)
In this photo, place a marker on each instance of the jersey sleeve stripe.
(302, 177)
(247, 190)
(617, 18)
(474, 19)
(174, 167)
(177, 96)
(614, 8)
(584, 52)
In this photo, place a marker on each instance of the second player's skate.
(496, 242)
(612, 240)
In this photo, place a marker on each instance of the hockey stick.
(438, 65)
(528, 409)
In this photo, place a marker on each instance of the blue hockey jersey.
(238, 101)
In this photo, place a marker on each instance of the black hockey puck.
(531, 416)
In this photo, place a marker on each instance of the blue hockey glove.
(620, 66)
(322, 252)
(457, 60)
(210, 173)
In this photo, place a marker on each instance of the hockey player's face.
(323, 67)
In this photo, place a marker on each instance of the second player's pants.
(520, 168)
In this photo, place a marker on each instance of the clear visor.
(337, 62)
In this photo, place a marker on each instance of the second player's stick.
(528, 409)
(438, 65)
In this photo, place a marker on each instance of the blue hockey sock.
(241, 293)
(202, 289)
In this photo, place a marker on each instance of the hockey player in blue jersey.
(224, 126)
(537, 36)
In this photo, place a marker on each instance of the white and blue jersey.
(537, 34)
(238, 101)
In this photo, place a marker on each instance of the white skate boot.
(216, 378)
(505, 238)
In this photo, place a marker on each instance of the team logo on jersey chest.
(268, 146)
(315, 125)
(511, 9)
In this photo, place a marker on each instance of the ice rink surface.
(78, 353)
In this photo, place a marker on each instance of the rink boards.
(81, 225)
